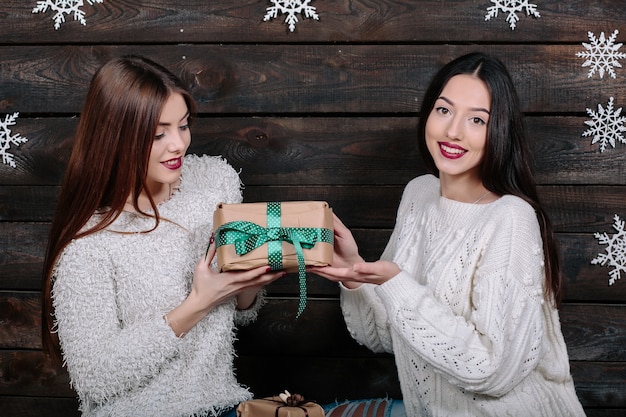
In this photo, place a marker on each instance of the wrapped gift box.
(284, 235)
(234, 222)
(275, 407)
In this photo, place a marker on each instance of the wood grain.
(397, 21)
(328, 112)
(301, 79)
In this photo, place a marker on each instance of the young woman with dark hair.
(505, 168)
(144, 323)
(466, 292)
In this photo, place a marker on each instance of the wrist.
(356, 259)
(174, 326)
(351, 285)
(196, 304)
(246, 299)
(187, 314)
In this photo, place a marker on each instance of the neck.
(467, 190)
(162, 195)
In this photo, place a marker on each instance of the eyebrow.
(472, 109)
(181, 119)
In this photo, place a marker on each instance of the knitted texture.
(466, 317)
(111, 290)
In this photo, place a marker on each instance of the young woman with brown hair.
(145, 323)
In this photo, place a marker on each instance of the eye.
(442, 110)
(159, 136)
(184, 127)
(478, 121)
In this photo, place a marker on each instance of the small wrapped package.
(284, 235)
(280, 406)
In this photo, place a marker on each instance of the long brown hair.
(506, 167)
(109, 159)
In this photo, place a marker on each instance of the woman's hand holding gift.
(348, 266)
(211, 288)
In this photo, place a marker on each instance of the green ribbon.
(247, 236)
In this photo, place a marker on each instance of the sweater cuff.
(400, 290)
(353, 295)
(250, 314)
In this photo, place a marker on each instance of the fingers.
(340, 228)
(381, 269)
(363, 272)
(256, 277)
(210, 251)
(336, 274)
(338, 221)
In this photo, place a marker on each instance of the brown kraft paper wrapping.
(274, 407)
(316, 214)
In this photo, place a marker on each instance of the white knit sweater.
(112, 289)
(466, 318)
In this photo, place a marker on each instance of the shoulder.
(86, 253)
(513, 208)
(421, 192)
(513, 217)
(424, 186)
(201, 166)
(210, 172)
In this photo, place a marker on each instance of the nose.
(454, 129)
(177, 142)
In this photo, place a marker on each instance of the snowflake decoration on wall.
(290, 8)
(606, 126)
(602, 54)
(615, 255)
(6, 139)
(64, 7)
(511, 7)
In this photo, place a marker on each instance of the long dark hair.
(506, 167)
(109, 159)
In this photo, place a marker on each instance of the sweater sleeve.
(228, 185)
(493, 347)
(103, 357)
(250, 314)
(366, 318)
(363, 311)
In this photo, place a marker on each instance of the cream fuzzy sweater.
(466, 318)
(110, 293)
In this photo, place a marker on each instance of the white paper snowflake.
(602, 54)
(290, 8)
(606, 126)
(511, 7)
(6, 139)
(63, 7)
(615, 255)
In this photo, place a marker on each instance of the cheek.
(432, 133)
(479, 140)
(432, 145)
(156, 152)
(186, 137)
(434, 125)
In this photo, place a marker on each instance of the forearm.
(366, 318)
(246, 298)
(352, 285)
(184, 317)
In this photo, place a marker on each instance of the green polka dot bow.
(247, 236)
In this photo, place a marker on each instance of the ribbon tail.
(301, 275)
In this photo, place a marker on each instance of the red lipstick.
(173, 164)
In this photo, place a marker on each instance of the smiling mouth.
(173, 163)
(451, 152)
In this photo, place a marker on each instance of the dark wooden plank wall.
(328, 112)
